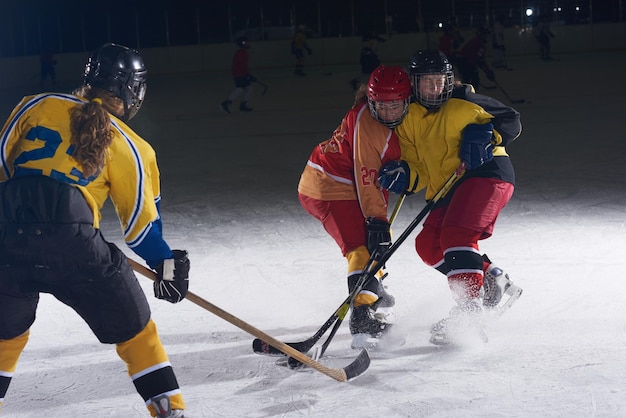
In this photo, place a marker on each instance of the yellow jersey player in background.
(61, 157)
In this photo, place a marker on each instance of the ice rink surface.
(229, 197)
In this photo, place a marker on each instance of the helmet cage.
(373, 104)
(427, 63)
(121, 71)
(433, 103)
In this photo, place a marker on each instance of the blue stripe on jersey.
(11, 124)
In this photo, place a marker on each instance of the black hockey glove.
(476, 147)
(173, 277)
(378, 236)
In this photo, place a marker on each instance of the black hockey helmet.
(121, 71)
(431, 62)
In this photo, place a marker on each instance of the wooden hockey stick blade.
(352, 370)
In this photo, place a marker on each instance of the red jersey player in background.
(242, 77)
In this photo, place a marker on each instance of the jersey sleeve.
(131, 179)
(10, 134)
(506, 120)
(373, 144)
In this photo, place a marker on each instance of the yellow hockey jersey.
(430, 142)
(35, 140)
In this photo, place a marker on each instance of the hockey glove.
(173, 277)
(476, 147)
(378, 236)
(394, 176)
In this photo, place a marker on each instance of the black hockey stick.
(516, 101)
(375, 263)
(261, 347)
(262, 85)
(357, 367)
(370, 270)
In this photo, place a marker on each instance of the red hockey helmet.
(388, 84)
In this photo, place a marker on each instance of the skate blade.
(439, 340)
(361, 341)
(514, 292)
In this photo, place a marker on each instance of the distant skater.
(242, 77)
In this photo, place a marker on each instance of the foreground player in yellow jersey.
(61, 157)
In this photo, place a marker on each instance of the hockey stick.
(375, 262)
(261, 347)
(262, 85)
(374, 265)
(352, 370)
(507, 95)
(292, 362)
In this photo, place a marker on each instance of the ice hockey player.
(63, 156)
(339, 188)
(439, 133)
(240, 70)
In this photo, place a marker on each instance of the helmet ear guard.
(428, 63)
(387, 84)
(121, 71)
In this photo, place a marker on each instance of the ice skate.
(383, 307)
(367, 327)
(163, 408)
(496, 285)
(243, 107)
(464, 323)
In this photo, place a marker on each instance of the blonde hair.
(360, 95)
(90, 126)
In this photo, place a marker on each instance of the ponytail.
(360, 95)
(90, 125)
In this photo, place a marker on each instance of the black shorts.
(242, 82)
(48, 245)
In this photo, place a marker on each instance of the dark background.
(28, 27)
